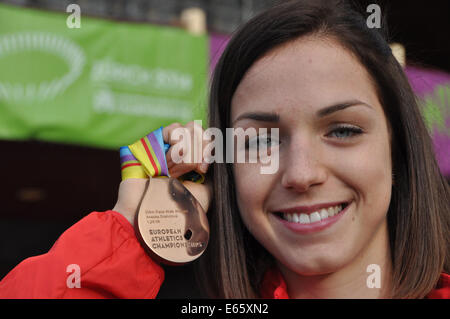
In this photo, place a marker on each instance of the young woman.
(357, 186)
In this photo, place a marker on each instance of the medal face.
(171, 223)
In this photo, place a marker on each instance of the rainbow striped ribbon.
(130, 166)
(147, 157)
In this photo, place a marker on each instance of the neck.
(352, 281)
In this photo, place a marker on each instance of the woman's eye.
(342, 132)
(261, 141)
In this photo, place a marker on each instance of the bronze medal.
(171, 223)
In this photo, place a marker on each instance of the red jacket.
(112, 264)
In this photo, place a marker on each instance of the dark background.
(48, 187)
(423, 27)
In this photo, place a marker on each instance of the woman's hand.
(131, 190)
(171, 135)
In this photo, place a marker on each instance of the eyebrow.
(275, 118)
(259, 116)
(340, 106)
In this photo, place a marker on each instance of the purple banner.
(217, 44)
(433, 90)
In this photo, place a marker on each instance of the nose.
(304, 167)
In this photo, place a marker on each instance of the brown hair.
(234, 263)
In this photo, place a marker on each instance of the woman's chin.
(318, 266)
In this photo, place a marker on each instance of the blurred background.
(70, 97)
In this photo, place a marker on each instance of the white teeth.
(313, 217)
(331, 211)
(304, 219)
(323, 213)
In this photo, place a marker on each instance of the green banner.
(104, 84)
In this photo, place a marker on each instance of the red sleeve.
(442, 289)
(111, 262)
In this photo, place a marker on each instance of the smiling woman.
(356, 187)
(324, 152)
(357, 182)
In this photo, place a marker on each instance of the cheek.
(368, 170)
(251, 189)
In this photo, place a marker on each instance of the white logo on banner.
(127, 89)
(49, 43)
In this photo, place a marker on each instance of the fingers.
(186, 150)
(167, 132)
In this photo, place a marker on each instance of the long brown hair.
(418, 216)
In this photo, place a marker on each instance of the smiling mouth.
(312, 217)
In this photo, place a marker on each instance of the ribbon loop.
(147, 158)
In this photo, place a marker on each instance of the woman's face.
(327, 203)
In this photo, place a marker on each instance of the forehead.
(301, 76)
